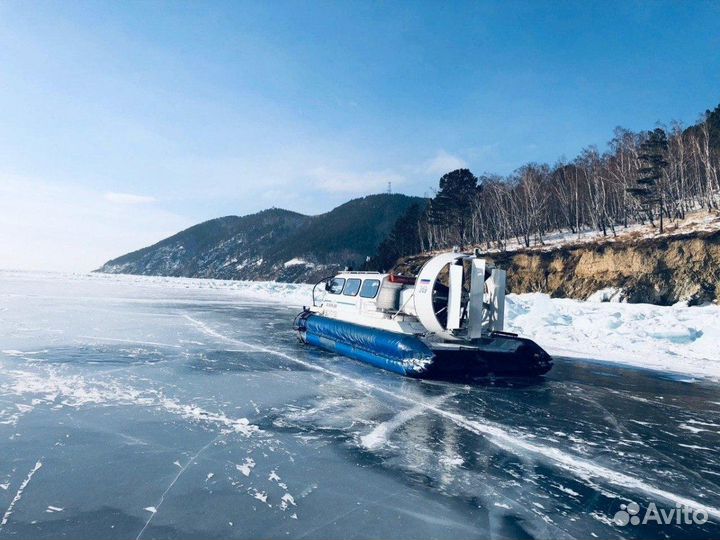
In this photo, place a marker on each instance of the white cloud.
(61, 226)
(127, 198)
(444, 163)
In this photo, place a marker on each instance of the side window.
(352, 287)
(336, 285)
(370, 288)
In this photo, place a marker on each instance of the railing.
(323, 280)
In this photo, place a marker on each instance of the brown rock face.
(660, 270)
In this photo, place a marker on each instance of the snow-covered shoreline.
(676, 339)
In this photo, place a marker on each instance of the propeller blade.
(477, 297)
(455, 297)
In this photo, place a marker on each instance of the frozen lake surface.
(136, 410)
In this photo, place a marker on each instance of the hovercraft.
(446, 323)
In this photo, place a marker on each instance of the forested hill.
(649, 178)
(652, 178)
(274, 244)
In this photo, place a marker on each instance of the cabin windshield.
(336, 285)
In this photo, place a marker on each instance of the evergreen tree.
(453, 205)
(640, 177)
(712, 118)
(404, 239)
(650, 185)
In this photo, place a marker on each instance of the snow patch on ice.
(52, 386)
(451, 461)
(692, 429)
(246, 467)
(699, 423)
(260, 495)
(602, 518)
(287, 500)
(694, 447)
(567, 490)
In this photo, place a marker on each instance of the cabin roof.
(360, 274)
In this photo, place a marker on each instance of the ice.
(497, 435)
(136, 388)
(678, 338)
(296, 294)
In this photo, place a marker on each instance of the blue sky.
(123, 122)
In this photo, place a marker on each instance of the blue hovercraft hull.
(499, 354)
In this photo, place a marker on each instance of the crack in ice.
(496, 435)
(380, 433)
(19, 494)
(155, 509)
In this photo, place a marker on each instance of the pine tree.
(452, 206)
(650, 187)
(402, 240)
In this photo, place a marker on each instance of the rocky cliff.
(659, 270)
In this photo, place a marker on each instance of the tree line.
(646, 177)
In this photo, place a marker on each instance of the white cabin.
(423, 305)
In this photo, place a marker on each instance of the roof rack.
(360, 272)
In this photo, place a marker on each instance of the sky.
(124, 122)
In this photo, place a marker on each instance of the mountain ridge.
(273, 244)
